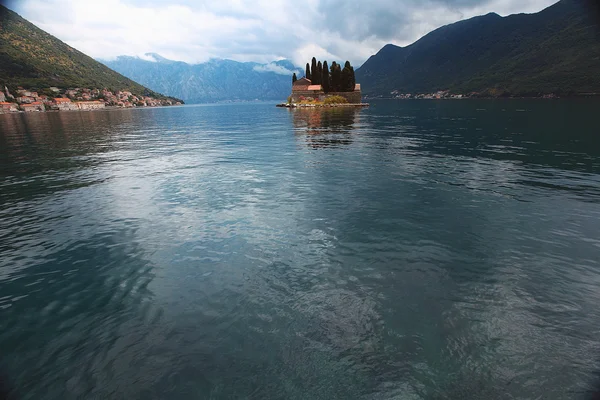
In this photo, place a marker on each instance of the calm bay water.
(412, 250)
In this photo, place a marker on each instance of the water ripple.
(418, 250)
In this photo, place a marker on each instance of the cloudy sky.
(258, 30)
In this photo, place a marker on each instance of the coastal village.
(83, 99)
(442, 94)
(446, 94)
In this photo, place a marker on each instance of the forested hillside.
(554, 51)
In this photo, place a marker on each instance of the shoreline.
(106, 108)
(574, 97)
(316, 105)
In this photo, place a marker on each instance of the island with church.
(325, 86)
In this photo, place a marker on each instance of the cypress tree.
(336, 77)
(351, 77)
(325, 78)
(318, 77)
(294, 78)
(307, 73)
(332, 78)
(313, 69)
(345, 80)
(348, 79)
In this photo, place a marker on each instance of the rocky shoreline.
(317, 105)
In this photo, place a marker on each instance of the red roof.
(302, 82)
(314, 87)
(5, 103)
(62, 100)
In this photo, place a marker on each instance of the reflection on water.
(325, 127)
(79, 303)
(436, 250)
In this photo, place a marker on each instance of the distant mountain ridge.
(556, 50)
(32, 58)
(212, 81)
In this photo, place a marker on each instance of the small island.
(324, 86)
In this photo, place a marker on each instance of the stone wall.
(352, 97)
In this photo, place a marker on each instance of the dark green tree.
(325, 78)
(352, 81)
(318, 76)
(336, 77)
(345, 80)
(294, 78)
(331, 77)
(348, 79)
(307, 73)
(313, 69)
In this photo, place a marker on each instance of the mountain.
(556, 50)
(215, 80)
(32, 58)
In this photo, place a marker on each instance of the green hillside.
(32, 58)
(554, 51)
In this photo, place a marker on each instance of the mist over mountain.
(212, 81)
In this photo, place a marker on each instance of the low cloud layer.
(261, 30)
(272, 67)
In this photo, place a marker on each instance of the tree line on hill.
(332, 79)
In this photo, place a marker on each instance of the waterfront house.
(90, 105)
(35, 106)
(63, 104)
(7, 107)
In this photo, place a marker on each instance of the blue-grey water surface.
(411, 250)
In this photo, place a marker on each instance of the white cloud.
(308, 51)
(147, 57)
(260, 31)
(271, 67)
